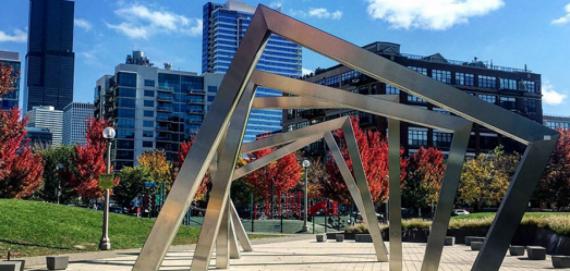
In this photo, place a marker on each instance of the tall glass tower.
(224, 28)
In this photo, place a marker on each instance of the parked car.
(458, 212)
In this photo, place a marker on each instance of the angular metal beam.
(222, 241)
(239, 229)
(447, 194)
(394, 196)
(199, 157)
(295, 102)
(234, 248)
(221, 183)
(360, 177)
(513, 207)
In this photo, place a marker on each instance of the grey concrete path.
(306, 254)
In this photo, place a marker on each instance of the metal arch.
(394, 197)
(239, 229)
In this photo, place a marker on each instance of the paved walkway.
(309, 255)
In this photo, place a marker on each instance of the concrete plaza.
(306, 254)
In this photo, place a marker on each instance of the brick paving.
(309, 255)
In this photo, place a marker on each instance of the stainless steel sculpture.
(224, 125)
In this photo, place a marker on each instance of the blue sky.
(506, 32)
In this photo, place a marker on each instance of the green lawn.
(31, 228)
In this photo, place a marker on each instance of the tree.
(20, 168)
(89, 161)
(158, 167)
(374, 155)
(182, 153)
(274, 179)
(58, 171)
(426, 169)
(554, 187)
(485, 179)
(131, 185)
(8, 79)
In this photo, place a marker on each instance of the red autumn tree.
(554, 188)
(274, 179)
(374, 155)
(7, 79)
(426, 169)
(182, 153)
(21, 169)
(89, 161)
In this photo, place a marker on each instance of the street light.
(105, 243)
(306, 164)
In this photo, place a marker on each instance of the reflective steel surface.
(394, 196)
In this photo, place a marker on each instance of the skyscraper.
(50, 118)
(151, 108)
(75, 117)
(12, 60)
(50, 57)
(224, 28)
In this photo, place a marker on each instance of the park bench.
(536, 253)
(561, 261)
(476, 245)
(11, 266)
(57, 262)
(339, 237)
(321, 238)
(516, 250)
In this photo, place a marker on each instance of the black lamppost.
(306, 164)
(105, 243)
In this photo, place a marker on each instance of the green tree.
(58, 168)
(485, 179)
(131, 185)
(159, 169)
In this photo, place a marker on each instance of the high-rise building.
(50, 118)
(50, 58)
(557, 122)
(75, 118)
(514, 89)
(11, 59)
(41, 137)
(151, 108)
(224, 28)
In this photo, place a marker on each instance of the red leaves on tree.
(374, 155)
(182, 153)
(427, 166)
(276, 178)
(554, 187)
(21, 170)
(7, 79)
(90, 161)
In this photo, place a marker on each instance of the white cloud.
(17, 36)
(550, 96)
(565, 18)
(433, 14)
(323, 13)
(306, 71)
(82, 23)
(140, 22)
(278, 5)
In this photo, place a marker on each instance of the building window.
(441, 75)
(418, 70)
(507, 84)
(464, 79)
(529, 86)
(147, 133)
(488, 98)
(415, 99)
(149, 93)
(147, 144)
(392, 90)
(149, 113)
(148, 83)
(487, 81)
(212, 89)
(126, 92)
(417, 136)
(148, 123)
(127, 79)
(126, 103)
(148, 103)
(557, 124)
(441, 139)
(531, 105)
(507, 102)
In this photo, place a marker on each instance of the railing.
(472, 64)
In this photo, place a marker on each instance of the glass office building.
(224, 27)
(11, 59)
(75, 119)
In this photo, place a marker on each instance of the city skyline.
(101, 37)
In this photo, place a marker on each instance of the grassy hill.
(36, 228)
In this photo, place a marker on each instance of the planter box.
(11, 266)
(536, 253)
(561, 261)
(339, 237)
(478, 239)
(476, 245)
(516, 250)
(57, 262)
(321, 238)
(449, 241)
(363, 238)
